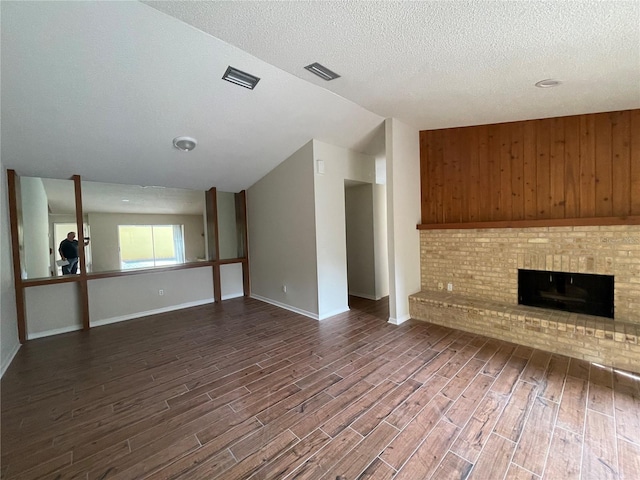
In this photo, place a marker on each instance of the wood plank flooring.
(245, 390)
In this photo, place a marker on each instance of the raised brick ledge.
(596, 339)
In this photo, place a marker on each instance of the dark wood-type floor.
(247, 390)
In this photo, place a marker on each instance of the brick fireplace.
(482, 266)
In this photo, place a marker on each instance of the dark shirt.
(68, 248)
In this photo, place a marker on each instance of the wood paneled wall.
(582, 166)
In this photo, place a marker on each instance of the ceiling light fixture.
(241, 78)
(322, 71)
(548, 83)
(186, 144)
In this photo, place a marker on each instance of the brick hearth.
(482, 265)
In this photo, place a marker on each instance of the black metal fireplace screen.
(571, 292)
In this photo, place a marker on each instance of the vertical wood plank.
(635, 162)
(621, 162)
(505, 172)
(604, 193)
(530, 170)
(556, 168)
(455, 152)
(438, 173)
(464, 166)
(580, 166)
(475, 193)
(484, 182)
(493, 166)
(450, 178)
(587, 166)
(543, 173)
(572, 167)
(517, 171)
(425, 183)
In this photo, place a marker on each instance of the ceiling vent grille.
(241, 78)
(322, 71)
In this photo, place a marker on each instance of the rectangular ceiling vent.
(322, 71)
(241, 78)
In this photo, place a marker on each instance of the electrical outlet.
(284, 288)
(450, 287)
(440, 285)
(160, 292)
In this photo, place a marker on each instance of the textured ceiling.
(100, 89)
(437, 64)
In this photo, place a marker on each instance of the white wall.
(35, 228)
(105, 243)
(381, 253)
(9, 343)
(231, 281)
(52, 309)
(360, 241)
(281, 230)
(339, 165)
(403, 215)
(297, 231)
(122, 298)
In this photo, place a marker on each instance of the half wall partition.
(127, 231)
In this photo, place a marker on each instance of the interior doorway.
(360, 236)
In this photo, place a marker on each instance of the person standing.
(69, 251)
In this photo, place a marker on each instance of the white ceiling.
(100, 89)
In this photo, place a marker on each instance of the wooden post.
(15, 250)
(241, 216)
(214, 244)
(84, 288)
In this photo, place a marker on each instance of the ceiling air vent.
(241, 78)
(321, 71)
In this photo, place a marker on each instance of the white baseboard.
(335, 312)
(398, 321)
(55, 331)
(286, 307)
(232, 295)
(364, 295)
(131, 316)
(8, 359)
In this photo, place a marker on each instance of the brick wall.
(483, 263)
